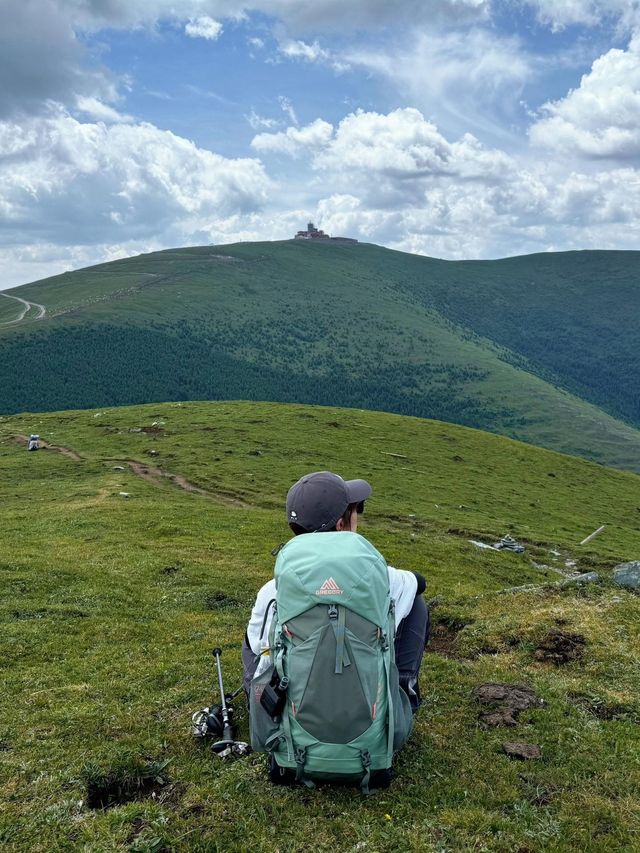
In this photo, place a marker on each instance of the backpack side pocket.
(261, 726)
(402, 716)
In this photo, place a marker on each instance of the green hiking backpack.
(332, 707)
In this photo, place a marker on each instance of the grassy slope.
(375, 317)
(111, 605)
(9, 309)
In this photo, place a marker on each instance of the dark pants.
(412, 635)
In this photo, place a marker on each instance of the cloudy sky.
(452, 128)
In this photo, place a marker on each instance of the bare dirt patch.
(600, 708)
(504, 702)
(66, 451)
(155, 475)
(442, 640)
(104, 790)
(219, 601)
(522, 751)
(560, 647)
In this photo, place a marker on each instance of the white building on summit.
(313, 233)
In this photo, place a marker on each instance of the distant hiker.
(332, 603)
(34, 442)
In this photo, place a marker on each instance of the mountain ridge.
(471, 342)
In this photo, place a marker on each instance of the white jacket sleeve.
(403, 587)
(261, 609)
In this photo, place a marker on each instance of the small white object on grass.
(481, 544)
(593, 535)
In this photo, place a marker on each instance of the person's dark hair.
(346, 520)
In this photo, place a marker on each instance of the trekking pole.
(209, 722)
(227, 745)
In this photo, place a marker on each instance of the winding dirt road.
(27, 307)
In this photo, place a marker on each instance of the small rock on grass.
(627, 575)
(586, 577)
(522, 751)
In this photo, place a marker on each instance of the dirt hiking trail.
(150, 473)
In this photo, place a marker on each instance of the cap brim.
(357, 490)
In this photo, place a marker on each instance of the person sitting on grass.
(322, 502)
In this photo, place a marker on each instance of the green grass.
(541, 348)
(9, 309)
(111, 606)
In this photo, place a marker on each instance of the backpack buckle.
(301, 757)
(365, 757)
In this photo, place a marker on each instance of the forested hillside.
(575, 316)
(541, 348)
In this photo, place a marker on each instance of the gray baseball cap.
(318, 500)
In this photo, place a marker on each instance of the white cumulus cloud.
(294, 140)
(600, 118)
(203, 27)
(396, 179)
(563, 13)
(64, 180)
(393, 157)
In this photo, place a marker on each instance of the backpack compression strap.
(337, 618)
(388, 651)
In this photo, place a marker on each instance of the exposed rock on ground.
(628, 575)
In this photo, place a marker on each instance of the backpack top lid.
(338, 567)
